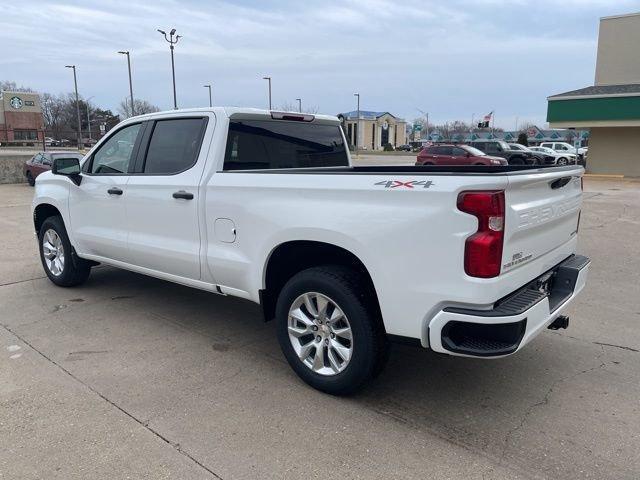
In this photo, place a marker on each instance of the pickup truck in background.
(470, 261)
(500, 148)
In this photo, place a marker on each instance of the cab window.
(114, 156)
(174, 145)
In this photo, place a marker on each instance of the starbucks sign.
(15, 102)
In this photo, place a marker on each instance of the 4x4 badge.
(401, 184)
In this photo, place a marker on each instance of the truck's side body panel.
(404, 226)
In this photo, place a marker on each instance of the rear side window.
(270, 144)
(174, 145)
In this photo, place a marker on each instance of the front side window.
(115, 154)
(174, 145)
(491, 147)
(459, 152)
(270, 144)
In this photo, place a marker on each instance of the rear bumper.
(514, 320)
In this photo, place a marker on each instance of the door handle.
(182, 194)
(114, 191)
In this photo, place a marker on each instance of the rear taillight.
(483, 249)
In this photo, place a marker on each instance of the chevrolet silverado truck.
(471, 261)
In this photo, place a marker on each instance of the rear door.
(163, 197)
(542, 211)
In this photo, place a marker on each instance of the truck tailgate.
(542, 214)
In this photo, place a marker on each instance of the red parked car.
(42, 161)
(456, 155)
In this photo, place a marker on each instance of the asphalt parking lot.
(132, 377)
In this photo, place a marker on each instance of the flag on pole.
(486, 120)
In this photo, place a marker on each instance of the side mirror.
(69, 167)
(468, 155)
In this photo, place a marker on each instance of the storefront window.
(25, 135)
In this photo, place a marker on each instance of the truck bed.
(417, 170)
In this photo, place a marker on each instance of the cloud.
(451, 58)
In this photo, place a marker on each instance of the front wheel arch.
(42, 212)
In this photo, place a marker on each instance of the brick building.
(20, 118)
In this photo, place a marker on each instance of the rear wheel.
(30, 180)
(329, 330)
(59, 261)
(516, 161)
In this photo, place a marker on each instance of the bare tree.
(53, 110)
(140, 107)
(11, 86)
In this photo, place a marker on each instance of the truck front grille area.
(483, 340)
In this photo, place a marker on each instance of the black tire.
(30, 180)
(370, 344)
(562, 161)
(516, 161)
(75, 270)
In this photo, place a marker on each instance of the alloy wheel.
(53, 252)
(320, 333)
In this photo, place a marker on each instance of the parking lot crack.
(545, 401)
(21, 281)
(145, 424)
(616, 346)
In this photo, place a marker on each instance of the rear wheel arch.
(290, 258)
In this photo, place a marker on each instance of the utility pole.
(210, 101)
(357, 123)
(172, 42)
(133, 112)
(88, 121)
(299, 104)
(75, 83)
(269, 80)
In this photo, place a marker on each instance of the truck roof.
(229, 111)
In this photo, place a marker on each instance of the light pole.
(210, 101)
(75, 83)
(357, 122)
(172, 42)
(88, 119)
(299, 104)
(133, 111)
(269, 80)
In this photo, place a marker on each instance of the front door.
(163, 197)
(96, 206)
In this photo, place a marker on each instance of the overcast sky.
(450, 58)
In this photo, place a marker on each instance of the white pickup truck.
(470, 261)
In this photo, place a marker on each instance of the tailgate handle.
(561, 182)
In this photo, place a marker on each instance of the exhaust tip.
(561, 322)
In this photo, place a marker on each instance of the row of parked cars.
(498, 152)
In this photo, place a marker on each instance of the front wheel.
(329, 330)
(30, 180)
(563, 161)
(58, 260)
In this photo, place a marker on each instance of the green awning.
(594, 109)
